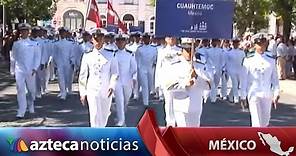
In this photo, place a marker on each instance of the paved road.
(51, 112)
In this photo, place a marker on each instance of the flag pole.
(107, 11)
(192, 51)
(87, 12)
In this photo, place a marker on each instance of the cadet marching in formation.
(119, 66)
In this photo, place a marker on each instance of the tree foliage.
(285, 9)
(30, 10)
(251, 15)
(152, 2)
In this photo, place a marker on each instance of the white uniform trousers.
(64, 78)
(40, 82)
(214, 86)
(168, 108)
(99, 109)
(122, 95)
(260, 109)
(152, 81)
(25, 82)
(224, 87)
(145, 81)
(136, 88)
(70, 81)
(52, 75)
(189, 118)
(47, 77)
(236, 80)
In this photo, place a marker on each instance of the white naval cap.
(259, 37)
(95, 30)
(121, 37)
(186, 42)
(236, 38)
(24, 26)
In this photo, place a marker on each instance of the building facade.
(72, 13)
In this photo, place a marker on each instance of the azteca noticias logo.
(17, 145)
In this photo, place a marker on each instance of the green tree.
(29, 10)
(252, 15)
(152, 2)
(285, 9)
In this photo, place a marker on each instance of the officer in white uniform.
(215, 55)
(26, 59)
(187, 82)
(109, 42)
(160, 56)
(225, 75)
(234, 65)
(202, 53)
(51, 64)
(169, 55)
(86, 46)
(127, 78)
(146, 57)
(64, 57)
(49, 68)
(261, 84)
(40, 75)
(97, 81)
(45, 58)
(133, 48)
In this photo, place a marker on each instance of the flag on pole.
(93, 13)
(111, 14)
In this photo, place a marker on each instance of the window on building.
(152, 24)
(73, 19)
(128, 1)
(103, 20)
(128, 20)
(101, 1)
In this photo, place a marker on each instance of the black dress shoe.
(19, 118)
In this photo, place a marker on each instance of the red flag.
(111, 14)
(93, 13)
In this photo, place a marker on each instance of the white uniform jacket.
(98, 72)
(178, 76)
(146, 58)
(64, 53)
(127, 67)
(261, 76)
(25, 56)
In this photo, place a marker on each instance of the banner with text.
(195, 18)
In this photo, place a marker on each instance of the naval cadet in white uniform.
(167, 55)
(215, 55)
(225, 75)
(127, 78)
(64, 58)
(146, 56)
(202, 53)
(187, 81)
(133, 46)
(86, 45)
(261, 84)
(25, 59)
(234, 65)
(97, 81)
(40, 75)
